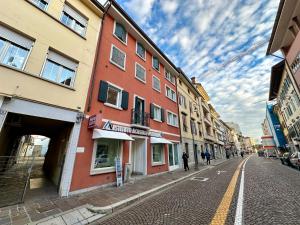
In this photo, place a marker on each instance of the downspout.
(96, 62)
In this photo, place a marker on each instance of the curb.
(116, 206)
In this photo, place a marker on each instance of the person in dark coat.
(185, 161)
(242, 154)
(203, 156)
(207, 155)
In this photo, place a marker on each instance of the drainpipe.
(91, 88)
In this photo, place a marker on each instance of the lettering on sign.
(119, 128)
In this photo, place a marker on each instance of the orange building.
(131, 111)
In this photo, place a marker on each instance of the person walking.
(185, 161)
(207, 155)
(242, 154)
(203, 155)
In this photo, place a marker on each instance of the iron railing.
(14, 177)
(140, 118)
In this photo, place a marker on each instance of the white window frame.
(48, 2)
(115, 25)
(163, 156)
(144, 81)
(166, 86)
(159, 84)
(169, 79)
(111, 169)
(114, 63)
(136, 47)
(158, 64)
(157, 106)
(176, 125)
(119, 97)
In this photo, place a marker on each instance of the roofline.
(180, 71)
(98, 4)
(280, 7)
(124, 13)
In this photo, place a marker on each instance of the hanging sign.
(94, 121)
(119, 172)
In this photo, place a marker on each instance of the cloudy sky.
(200, 36)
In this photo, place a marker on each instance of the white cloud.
(140, 9)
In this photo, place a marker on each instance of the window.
(172, 119)
(42, 4)
(104, 155)
(114, 96)
(157, 153)
(199, 128)
(169, 77)
(156, 83)
(157, 113)
(155, 63)
(14, 48)
(140, 72)
(59, 69)
(117, 57)
(182, 100)
(140, 51)
(74, 20)
(193, 127)
(184, 123)
(120, 32)
(170, 93)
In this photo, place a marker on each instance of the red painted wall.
(125, 79)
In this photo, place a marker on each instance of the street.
(271, 196)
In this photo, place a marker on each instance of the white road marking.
(221, 171)
(200, 178)
(239, 207)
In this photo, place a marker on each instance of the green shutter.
(151, 111)
(102, 95)
(162, 115)
(125, 97)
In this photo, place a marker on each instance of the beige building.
(47, 51)
(191, 122)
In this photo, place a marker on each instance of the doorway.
(139, 109)
(173, 157)
(138, 156)
(32, 153)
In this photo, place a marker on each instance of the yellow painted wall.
(47, 32)
(189, 97)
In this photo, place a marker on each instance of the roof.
(276, 76)
(280, 7)
(185, 77)
(134, 24)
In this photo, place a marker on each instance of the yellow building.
(190, 117)
(47, 52)
(207, 125)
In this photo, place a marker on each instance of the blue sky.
(200, 35)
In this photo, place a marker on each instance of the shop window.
(157, 154)
(104, 155)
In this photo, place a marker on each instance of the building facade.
(190, 115)
(132, 114)
(44, 78)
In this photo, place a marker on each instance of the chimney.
(193, 79)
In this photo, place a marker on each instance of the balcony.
(139, 118)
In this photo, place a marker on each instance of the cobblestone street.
(271, 196)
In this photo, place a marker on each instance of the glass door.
(173, 156)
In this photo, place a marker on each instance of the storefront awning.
(97, 133)
(155, 140)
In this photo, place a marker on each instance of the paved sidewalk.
(86, 207)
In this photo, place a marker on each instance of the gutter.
(91, 88)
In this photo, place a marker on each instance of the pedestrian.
(242, 154)
(227, 154)
(185, 161)
(207, 155)
(203, 155)
(232, 154)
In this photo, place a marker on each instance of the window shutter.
(125, 96)
(151, 111)
(61, 60)
(162, 115)
(76, 15)
(15, 37)
(102, 95)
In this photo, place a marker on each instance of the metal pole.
(195, 150)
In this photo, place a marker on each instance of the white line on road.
(239, 207)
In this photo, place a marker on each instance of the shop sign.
(119, 172)
(129, 130)
(94, 121)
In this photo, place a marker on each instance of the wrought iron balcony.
(140, 118)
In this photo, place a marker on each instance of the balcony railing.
(140, 118)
